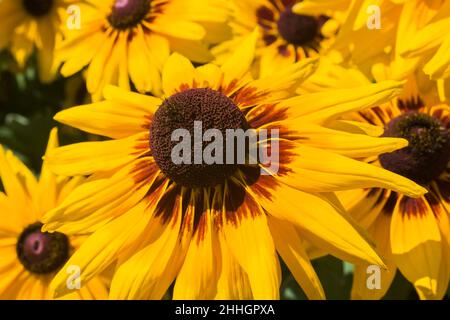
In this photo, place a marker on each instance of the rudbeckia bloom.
(216, 229)
(130, 39)
(32, 24)
(30, 258)
(286, 37)
(412, 234)
(389, 39)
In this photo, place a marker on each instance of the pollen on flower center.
(183, 110)
(42, 252)
(428, 152)
(128, 13)
(297, 29)
(37, 8)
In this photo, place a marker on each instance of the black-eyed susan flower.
(29, 25)
(375, 37)
(121, 40)
(412, 234)
(286, 37)
(30, 258)
(215, 229)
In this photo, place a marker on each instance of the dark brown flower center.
(38, 8)
(42, 252)
(428, 153)
(186, 111)
(128, 13)
(298, 29)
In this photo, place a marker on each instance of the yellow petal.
(114, 119)
(365, 287)
(285, 79)
(439, 66)
(148, 273)
(357, 127)
(136, 104)
(178, 72)
(193, 50)
(95, 289)
(86, 158)
(95, 71)
(437, 203)
(102, 248)
(416, 244)
(144, 71)
(365, 205)
(12, 223)
(320, 220)
(289, 246)
(319, 6)
(347, 144)
(272, 61)
(11, 270)
(47, 185)
(98, 200)
(78, 52)
(248, 238)
(22, 47)
(233, 283)
(208, 76)
(198, 276)
(178, 28)
(238, 64)
(19, 184)
(318, 170)
(323, 106)
(47, 68)
(427, 38)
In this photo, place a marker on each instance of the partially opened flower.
(286, 37)
(121, 40)
(412, 234)
(216, 228)
(29, 25)
(30, 258)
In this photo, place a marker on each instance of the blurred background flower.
(29, 257)
(123, 40)
(33, 25)
(285, 37)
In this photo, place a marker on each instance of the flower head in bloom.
(286, 37)
(30, 258)
(121, 40)
(393, 40)
(32, 24)
(215, 228)
(412, 234)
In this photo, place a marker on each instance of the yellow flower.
(387, 39)
(32, 24)
(412, 234)
(29, 257)
(216, 229)
(121, 40)
(286, 37)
